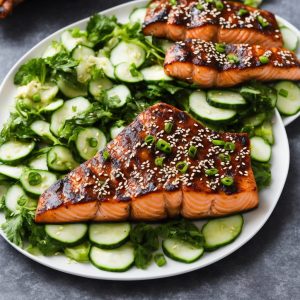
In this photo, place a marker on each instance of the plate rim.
(39, 259)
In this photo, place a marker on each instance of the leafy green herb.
(100, 28)
(18, 223)
(61, 62)
(39, 239)
(262, 173)
(182, 230)
(145, 240)
(34, 69)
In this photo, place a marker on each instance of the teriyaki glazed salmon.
(217, 21)
(209, 64)
(162, 165)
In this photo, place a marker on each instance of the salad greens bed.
(79, 95)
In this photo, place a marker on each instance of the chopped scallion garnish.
(192, 151)
(211, 172)
(168, 127)
(164, 146)
(227, 180)
(182, 166)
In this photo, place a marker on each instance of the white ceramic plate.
(253, 220)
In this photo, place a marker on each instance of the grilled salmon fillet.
(162, 165)
(216, 21)
(215, 65)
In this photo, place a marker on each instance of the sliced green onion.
(242, 12)
(192, 151)
(228, 181)
(92, 142)
(159, 161)
(211, 172)
(168, 127)
(164, 146)
(218, 142)
(199, 6)
(229, 146)
(149, 139)
(36, 97)
(262, 21)
(219, 5)
(105, 155)
(220, 48)
(159, 259)
(232, 58)
(224, 157)
(283, 93)
(173, 2)
(34, 178)
(264, 59)
(182, 166)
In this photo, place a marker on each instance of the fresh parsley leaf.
(100, 28)
(34, 69)
(145, 240)
(39, 239)
(62, 61)
(262, 174)
(182, 230)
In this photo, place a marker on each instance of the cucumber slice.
(138, 15)
(69, 110)
(222, 231)
(13, 195)
(70, 42)
(48, 92)
(225, 99)
(12, 172)
(71, 90)
(109, 235)
(290, 38)
(105, 64)
(42, 129)
(255, 120)
(53, 106)
(260, 149)
(155, 73)
(36, 182)
(288, 101)
(114, 260)
(123, 73)
(115, 131)
(265, 131)
(52, 49)
(118, 95)
(39, 163)
(89, 141)
(78, 253)
(206, 112)
(61, 159)
(82, 52)
(127, 52)
(181, 250)
(14, 151)
(99, 85)
(68, 234)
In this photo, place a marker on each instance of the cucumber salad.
(83, 90)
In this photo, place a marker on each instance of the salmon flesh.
(163, 165)
(216, 21)
(213, 65)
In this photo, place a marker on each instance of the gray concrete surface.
(267, 267)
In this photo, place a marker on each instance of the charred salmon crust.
(152, 174)
(202, 63)
(229, 22)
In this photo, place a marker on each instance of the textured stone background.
(267, 267)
